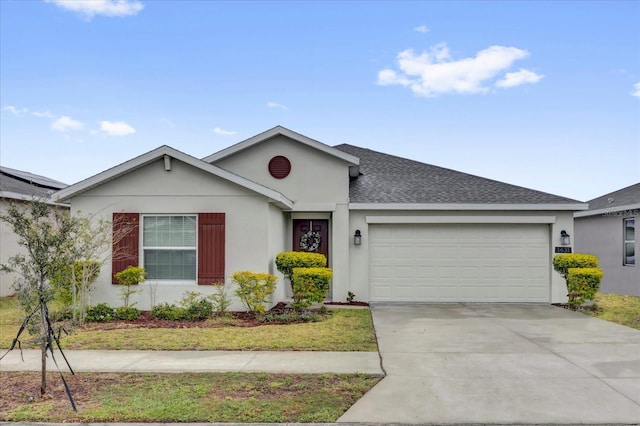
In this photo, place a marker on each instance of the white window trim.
(625, 241)
(142, 248)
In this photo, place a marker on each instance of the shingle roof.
(620, 198)
(25, 183)
(386, 178)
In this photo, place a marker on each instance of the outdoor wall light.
(565, 239)
(357, 238)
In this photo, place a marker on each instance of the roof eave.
(24, 197)
(633, 209)
(156, 154)
(279, 130)
(462, 206)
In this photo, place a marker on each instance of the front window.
(629, 255)
(169, 247)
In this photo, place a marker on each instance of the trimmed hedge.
(583, 284)
(582, 275)
(562, 262)
(310, 285)
(286, 261)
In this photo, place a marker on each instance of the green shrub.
(100, 313)
(562, 262)
(193, 307)
(200, 310)
(166, 311)
(310, 285)
(290, 317)
(127, 313)
(254, 289)
(220, 300)
(583, 284)
(127, 278)
(286, 261)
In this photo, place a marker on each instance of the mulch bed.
(239, 319)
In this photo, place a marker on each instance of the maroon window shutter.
(126, 243)
(210, 248)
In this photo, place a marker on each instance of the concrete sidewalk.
(200, 361)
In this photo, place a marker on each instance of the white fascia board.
(158, 153)
(633, 209)
(459, 219)
(463, 207)
(23, 197)
(279, 130)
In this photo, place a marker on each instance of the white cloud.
(512, 79)
(116, 128)
(434, 72)
(421, 29)
(15, 110)
(42, 114)
(223, 132)
(274, 105)
(65, 123)
(90, 8)
(636, 90)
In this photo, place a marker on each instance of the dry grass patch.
(618, 308)
(209, 397)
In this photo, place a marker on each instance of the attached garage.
(454, 262)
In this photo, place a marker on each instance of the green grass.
(618, 308)
(210, 397)
(10, 319)
(343, 330)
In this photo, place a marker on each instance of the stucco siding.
(602, 236)
(315, 177)
(183, 190)
(9, 247)
(278, 243)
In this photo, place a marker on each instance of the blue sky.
(544, 95)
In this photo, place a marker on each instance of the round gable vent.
(279, 167)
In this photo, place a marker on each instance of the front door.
(311, 235)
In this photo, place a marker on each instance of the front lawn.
(342, 330)
(617, 308)
(202, 398)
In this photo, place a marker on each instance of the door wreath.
(310, 241)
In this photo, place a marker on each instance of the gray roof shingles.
(386, 178)
(622, 197)
(25, 183)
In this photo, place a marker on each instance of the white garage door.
(459, 263)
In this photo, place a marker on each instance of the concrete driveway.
(501, 363)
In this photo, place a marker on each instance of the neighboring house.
(17, 186)
(393, 229)
(608, 230)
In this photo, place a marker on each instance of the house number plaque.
(563, 249)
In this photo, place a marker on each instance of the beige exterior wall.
(318, 185)
(251, 222)
(8, 247)
(359, 255)
(602, 235)
(316, 181)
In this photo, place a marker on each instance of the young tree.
(47, 234)
(90, 250)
